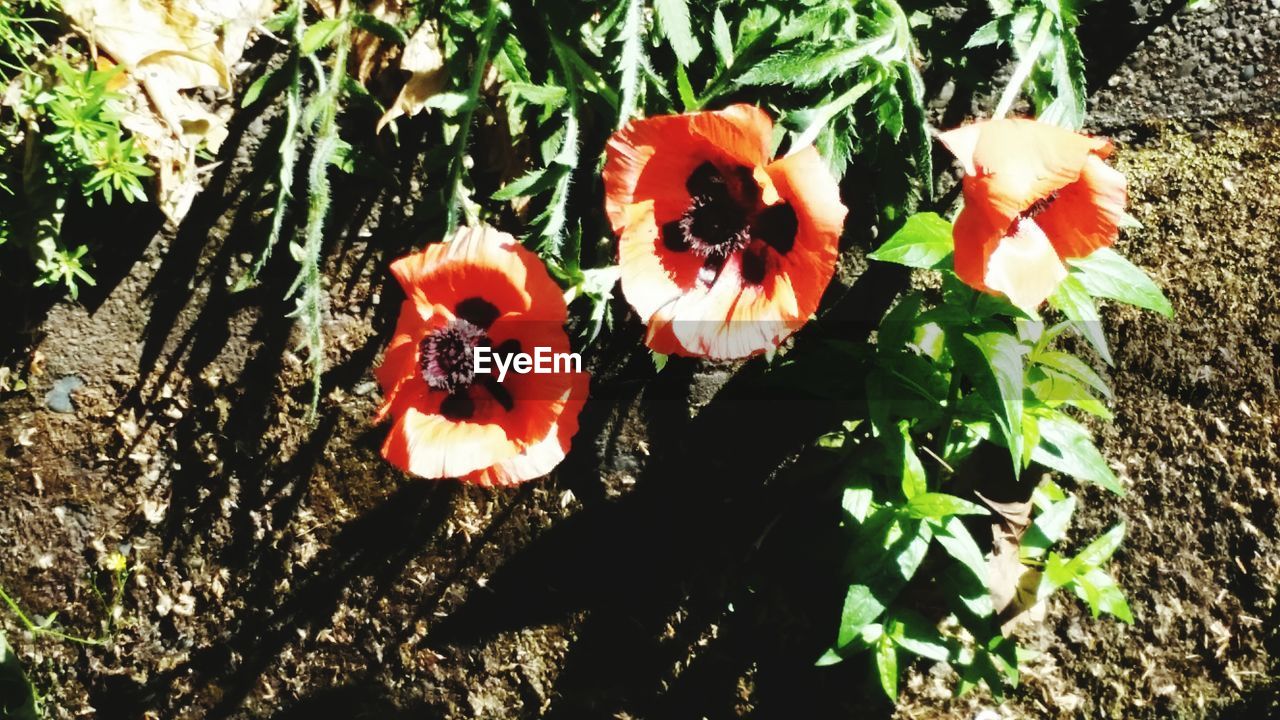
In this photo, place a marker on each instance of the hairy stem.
(453, 190)
(1025, 65)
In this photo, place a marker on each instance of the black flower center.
(446, 358)
(723, 217)
(1040, 205)
(445, 355)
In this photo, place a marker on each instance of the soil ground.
(282, 569)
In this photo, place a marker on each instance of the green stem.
(288, 144)
(464, 129)
(35, 629)
(1025, 65)
(310, 308)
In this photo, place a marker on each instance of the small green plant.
(68, 146)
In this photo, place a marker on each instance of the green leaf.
(1056, 389)
(914, 481)
(887, 667)
(959, 544)
(938, 506)
(17, 696)
(1107, 274)
(924, 241)
(857, 502)
(688, 100)
(1073, 300)
(319, 35)
(381, 28)
(673, 19)
(272, 78)
(531, 183)
(1075, 367)
(549, 96)
(808, 64)
(1050, 525)
(861, 608)
(1065, 446)
(993, 361)
(898, 325)
(988, 34)
(1099, 551)
(721, 38)
(913, 633)
(1104, 595)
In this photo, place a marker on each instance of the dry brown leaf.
(168, 47)
(1012, 584)
(425, 64)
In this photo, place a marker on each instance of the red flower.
(723, 251)
(479, 289)
(1035, 195)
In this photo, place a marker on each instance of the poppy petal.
(400, 361)
(541, 457)
(1010, 164)
(652, 275)
(1087, 214)
(652, 159)
(432, 446)
(731, 318)
(1025, 266)
(742, 133)
(803, 181)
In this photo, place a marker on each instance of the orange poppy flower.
(1035, 195)
(723, 251)
(482, 288)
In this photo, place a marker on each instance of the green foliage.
(65, 146)
(949, 376)
(18, 699)
(1050, 62)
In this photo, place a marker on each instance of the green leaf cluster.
(65, 146)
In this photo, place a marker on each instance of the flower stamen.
(445, 356)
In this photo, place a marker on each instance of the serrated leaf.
(1065, 446)
(549, 96)
(924, 241)
(379, 27)
(809, 64)
(531, 183)
(673, 19)
(1071, 299)
(1107, 274)
(988, 34)
(688, 100)
(319, 35)
(722, 39)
